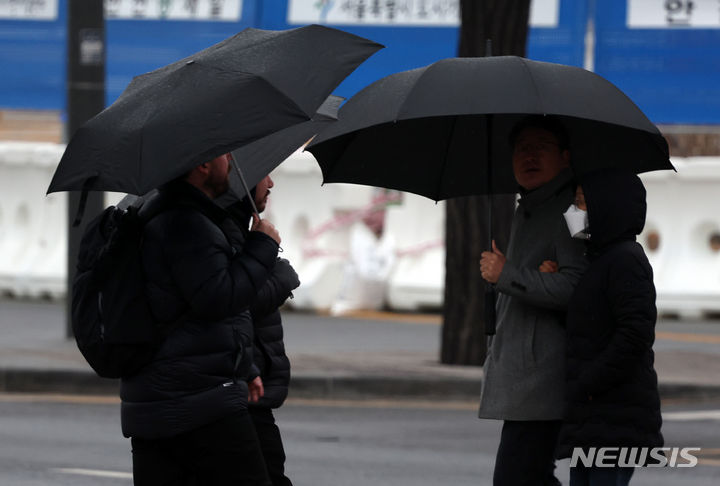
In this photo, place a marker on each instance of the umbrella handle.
(247, 191)
(245, 186)
(490, 316)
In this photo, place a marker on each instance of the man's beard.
(261, 204)
(218, 187)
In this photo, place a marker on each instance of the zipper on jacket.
(100, 316)
(238, 354)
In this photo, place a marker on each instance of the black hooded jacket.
(201, 285)
(269, 347)
(611, 387)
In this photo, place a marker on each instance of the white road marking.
(692, 415)
(95, 473)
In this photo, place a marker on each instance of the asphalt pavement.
(76, 440)
(364, 355)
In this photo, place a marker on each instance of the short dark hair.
(546, 122)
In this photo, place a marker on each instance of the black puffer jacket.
(611, 388)
(195, 275)
(269, 351)
(269, 346)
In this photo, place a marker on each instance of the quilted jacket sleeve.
(631, 301)
(214, 278)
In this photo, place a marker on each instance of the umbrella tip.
(191, 61)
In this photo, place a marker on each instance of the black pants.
(271, 445)
(222, 453)
(526, 455)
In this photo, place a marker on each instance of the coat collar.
(181, 193)
(532, 199)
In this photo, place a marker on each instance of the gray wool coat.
(525, 365)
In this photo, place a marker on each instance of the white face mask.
(577, 222)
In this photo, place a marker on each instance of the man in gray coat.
(524, 369)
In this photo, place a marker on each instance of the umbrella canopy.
(443, 130)
(174, 118)
(259, 158)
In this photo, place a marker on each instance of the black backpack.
(111, 318)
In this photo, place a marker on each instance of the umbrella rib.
(445, 158)
(410, 91)
(286, 96)
(221, 45)
(265, 80)
(337, 159)
(534, 84)
(270, 38)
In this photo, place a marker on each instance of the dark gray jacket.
(195, 276)
(524, 372)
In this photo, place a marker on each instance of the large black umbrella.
(230, 94)
(262, 156)
(443, 130)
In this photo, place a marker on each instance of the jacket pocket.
(513, 345)
(548, 340)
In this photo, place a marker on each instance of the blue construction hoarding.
(417, 33)
(681, 60)
(665, 54)
(145, 34)
(32, 58)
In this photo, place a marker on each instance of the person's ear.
(199, 172)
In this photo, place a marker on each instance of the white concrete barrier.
(681, 239)
(324, 235)
(682, 235)
(417, 226)
(33, 241)
(315, 225)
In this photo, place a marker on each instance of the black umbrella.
(262, 156)
(443, 130)
(230, 94)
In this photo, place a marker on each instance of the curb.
(303, 385)
(384, 386)
(56, 381)
(686, 391)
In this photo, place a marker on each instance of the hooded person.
(611, 386)
(270, 359)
